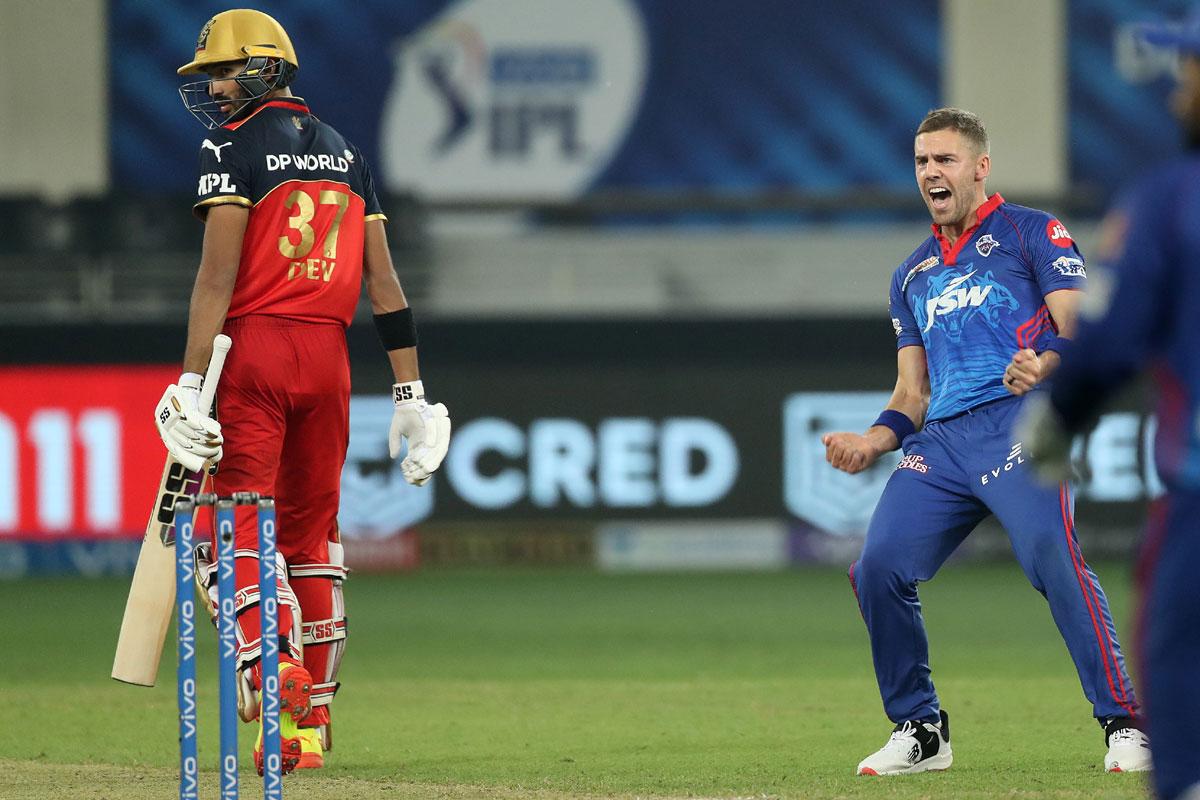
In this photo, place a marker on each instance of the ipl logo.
(483, 102)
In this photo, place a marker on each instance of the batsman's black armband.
(898, 423)
(396, 329)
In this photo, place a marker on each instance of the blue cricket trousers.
(953, 474)
(1169, 640)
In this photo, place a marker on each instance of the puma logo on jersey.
(953, 298)
(216, 148)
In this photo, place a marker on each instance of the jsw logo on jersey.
(953, 300)
(954, 297)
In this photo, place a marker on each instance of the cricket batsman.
(981, 311)
(1146, 318)
(293, 229)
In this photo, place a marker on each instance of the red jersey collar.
(289, 103)
(950, 252)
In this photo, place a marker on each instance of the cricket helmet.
(242, 34)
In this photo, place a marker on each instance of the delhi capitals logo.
(953, 300)
(986, 244)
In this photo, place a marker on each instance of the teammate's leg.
(1169, 628)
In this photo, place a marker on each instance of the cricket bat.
(151, 600)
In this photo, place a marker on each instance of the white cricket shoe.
(913, 747)
(1128, 747)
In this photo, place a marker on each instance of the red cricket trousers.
(283, 405)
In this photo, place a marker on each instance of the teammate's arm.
(854, 452)
(1028, 368)
(224, 229)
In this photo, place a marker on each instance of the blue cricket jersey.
(973, 304)
(1145, 314)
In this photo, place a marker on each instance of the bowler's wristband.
(1053, 341)
(898, 423)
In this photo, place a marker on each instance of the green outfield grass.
(555, 683)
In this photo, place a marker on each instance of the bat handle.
(221, 345)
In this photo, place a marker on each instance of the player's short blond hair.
(957, 119)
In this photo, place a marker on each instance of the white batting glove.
(1040, 429)
(426, 427)
(191, 437)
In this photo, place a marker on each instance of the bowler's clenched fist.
(1024, 372)
(849, 452)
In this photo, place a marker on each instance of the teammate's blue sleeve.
(1123, 318)
(903, 321)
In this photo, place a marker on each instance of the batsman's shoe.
(295, 691)
(1128, 747)
(312, 755)
(914, 746)
(291, 745)
(295, 688)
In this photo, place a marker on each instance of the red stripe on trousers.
(1093, 606)
(854, 588)
(1112, 650)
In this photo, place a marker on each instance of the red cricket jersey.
(310, 194)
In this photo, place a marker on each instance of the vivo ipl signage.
(548, 99)
(483, 103)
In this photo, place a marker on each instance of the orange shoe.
(295, 690)
(312, 755)
(295, 686)
(291, 746)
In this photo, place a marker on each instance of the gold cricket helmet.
(245, 36)
(239, 35)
